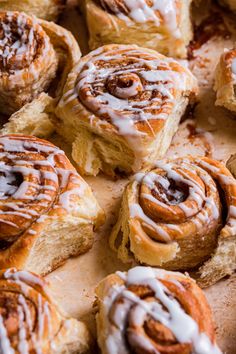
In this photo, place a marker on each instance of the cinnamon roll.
(164, 26)
(45, 9)
(150, 310)
(121, 107)
(30, 321)
(225, 80)
(47, 211)
(32, 53)
(180, 215)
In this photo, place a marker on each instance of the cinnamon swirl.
(164, 26)
(32, 53)
(30, 321)
(225, 80)
(47, 211)
(180, 215)
(150, 310)
(121, 107)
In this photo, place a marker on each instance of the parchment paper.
(211, 131)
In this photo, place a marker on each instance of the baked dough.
(30, 320)
(231, 164)
(121, 106)
(34, 66)
(47, 211)
(149, 310)
(172, 216)
(164, 26)
(229, 3)
(225, 80)
(32, 118)
(45, 9)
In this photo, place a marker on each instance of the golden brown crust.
(39, 186)
(30, 320)
(172, 216)
(225, 80)
(37, 61)
(231, 164)
(46, 9)
(146, 23)
(28, 62)
(128, 96)
(127, 323)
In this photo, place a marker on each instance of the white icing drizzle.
(20, 43)
(29, 324)
(22, 276)
(128, 85)
(30, 335)
(234, 66)
(166, 310)
(136, 211)
(202, 208)
(5, 344)
(228, 180)
(161, 12)
(23, 344)
(43, 181)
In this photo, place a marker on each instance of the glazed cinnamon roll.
(121, 107)
(150, 310)
(47, 211)
(225, 80)
(45, 9)
(28, 61)
(30, 321)
(164, 26)
(32, 53)
(180, 215)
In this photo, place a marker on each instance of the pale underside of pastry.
(172, 217)
(45, 9)
(33, 75)
(121, 107)
(147, 24)
(149, 310)
(48, 212)
(225, 80)
(31, 321)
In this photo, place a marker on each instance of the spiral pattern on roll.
(28, 320)
(149, 310)
(28, 61)
(130, 87)
(174, 214)
(35, 178)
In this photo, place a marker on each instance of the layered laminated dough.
(163, 25)
(121, 107)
